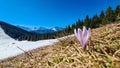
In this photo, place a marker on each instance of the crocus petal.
(88, 35)
(87, 38)
(80, 36)
(76, 34)
(84, 35)
(84, 30)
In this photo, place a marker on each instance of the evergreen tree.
(109, 16)
(79, 24)
(95, 21)
(117, 11)
(102, 15)
(68, 29)
(87, 21)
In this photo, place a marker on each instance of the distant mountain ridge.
(41, 30)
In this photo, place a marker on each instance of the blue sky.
(49, 13)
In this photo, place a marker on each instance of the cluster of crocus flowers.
(83, 36)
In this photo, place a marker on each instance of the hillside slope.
(13, 31)
(4, 38)
(103, 51)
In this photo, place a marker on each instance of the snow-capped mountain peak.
(56, 28)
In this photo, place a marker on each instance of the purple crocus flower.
(83, 36)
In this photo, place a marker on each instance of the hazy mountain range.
(41, 30)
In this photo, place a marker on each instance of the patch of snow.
(10, 47)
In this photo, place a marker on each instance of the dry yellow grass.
(103, 51)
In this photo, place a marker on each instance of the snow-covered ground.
(10, 47)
